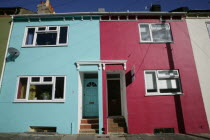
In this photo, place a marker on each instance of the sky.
(65, 6)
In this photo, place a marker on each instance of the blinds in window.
(151, 81)
(145, 33)
(167, 84)
(161, 32)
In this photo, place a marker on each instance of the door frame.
(117, 79)
(83, 98)
(80, 93)
(124, 110)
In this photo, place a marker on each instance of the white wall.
(200, 41)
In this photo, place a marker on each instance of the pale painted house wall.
(200, 40)
(83, 44)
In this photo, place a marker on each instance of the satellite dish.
(13, 52)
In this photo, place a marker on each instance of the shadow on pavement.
(198, 136)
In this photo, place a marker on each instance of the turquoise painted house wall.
(83, 44)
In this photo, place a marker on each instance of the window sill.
(163, 94)
(64, 45)
(156, 42)
(39, 101)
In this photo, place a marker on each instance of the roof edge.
(103, 14)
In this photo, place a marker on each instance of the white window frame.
(157, 79)
(150, 31)
(208, 29)
(29, 82)
(47, 31)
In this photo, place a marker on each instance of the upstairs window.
(46, 36)
(155, 32)
(40, 89)
(162, 82)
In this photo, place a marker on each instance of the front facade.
(198, 23)
(101, 73)
(42, 87)
(161, 78)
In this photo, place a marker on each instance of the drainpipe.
(5, 56)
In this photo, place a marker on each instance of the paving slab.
(8, 136)
(168, 137)
(202, 136)
(69, 137)
(117, 137)
(102, 137)
(133, 137)
(85, 137)
(46, 136)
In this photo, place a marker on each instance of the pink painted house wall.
(120, 40)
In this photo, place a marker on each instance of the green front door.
(90, 96)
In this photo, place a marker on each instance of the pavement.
(54, 136)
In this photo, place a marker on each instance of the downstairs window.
(40, 88)
(162, 82)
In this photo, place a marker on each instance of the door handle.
(91, 102)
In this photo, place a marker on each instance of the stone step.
(117, 124)
(116, 120)
(88, 131)
(89, 120)
(118, 129)
(121, 124)
(89, 126)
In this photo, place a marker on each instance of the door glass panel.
(91, 76)
(109, 76)
(91, 84)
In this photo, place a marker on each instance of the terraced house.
(43, 85)
(101, 72)
(198, 22)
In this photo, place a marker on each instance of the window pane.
(22, 88)
(59, 88)
(46, 39)
(40, 92)
(145, 33)
(47, 79)
(208, 26)
(151, 82)
(35, 79)
(91, 75)
(168, 73)
(169, 85)
(30, 36)
(113, 76)
(52, 28)
(63, 35)
(161, 33)
(41, 28)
